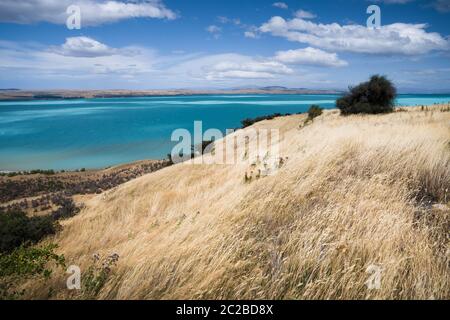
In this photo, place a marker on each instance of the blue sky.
(223, 44)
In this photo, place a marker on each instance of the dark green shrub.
(372, 97)
(314, 112)
(66, 210)
(45, 172)
(248, 122)
(16, 229)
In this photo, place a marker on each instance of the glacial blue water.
(96, 133)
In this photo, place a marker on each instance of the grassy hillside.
(353, 192)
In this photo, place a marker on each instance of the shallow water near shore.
(96, 133)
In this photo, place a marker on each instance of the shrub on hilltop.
(314, 112)
(372, 97)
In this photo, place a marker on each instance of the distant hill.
(274, 88)
(15, 94)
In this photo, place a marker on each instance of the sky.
(207, 44)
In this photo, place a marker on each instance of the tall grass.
(354, 192)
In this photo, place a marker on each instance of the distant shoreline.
(17, 95)
(33, 95)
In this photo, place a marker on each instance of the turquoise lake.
(96, 133)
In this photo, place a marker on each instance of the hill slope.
(354, 193)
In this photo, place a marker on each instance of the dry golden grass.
(356, 191)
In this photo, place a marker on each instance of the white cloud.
(238, 66)
(84, 47)
(72, 65)
(92, 12)
(239, 74)
(302, 14)
(280, 5)
(251, 34)
(234, 70)
(213, 29)
(397, 38)
(83, 61)
(77, 58)
(225, 20)
(229, 68)
(310, 56)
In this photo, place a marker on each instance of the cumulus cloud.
(245, 67)
(84, 61)
(230, 68)
(93, 12)
(83, 58)
(280, 5)
(397, 38)
(310, 56)
(85, 47)
(303, 14)
(236, 66)
(77, 58)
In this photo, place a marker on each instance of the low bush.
(248, 121)
(26, 173)
(17, 229)
(67, 209)
(97, 275)
(24, 263)
(372, 97)
(314, 112)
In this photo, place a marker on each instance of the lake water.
(96, 133)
